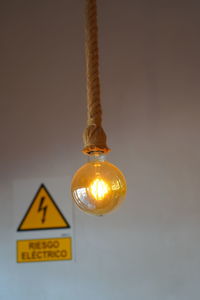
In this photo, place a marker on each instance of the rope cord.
(94, 137)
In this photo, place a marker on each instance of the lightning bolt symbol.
(42, 208)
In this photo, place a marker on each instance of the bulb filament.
(99, 189)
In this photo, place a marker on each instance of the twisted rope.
(94, 136)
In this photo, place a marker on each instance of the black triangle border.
(30, 206)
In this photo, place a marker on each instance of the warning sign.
(43, 213)
(44, 250)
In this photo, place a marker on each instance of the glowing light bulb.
(98, 186)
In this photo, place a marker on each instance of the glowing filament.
(99, 188)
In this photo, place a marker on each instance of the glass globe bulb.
(98, 186)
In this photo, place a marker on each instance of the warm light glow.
(99, 189)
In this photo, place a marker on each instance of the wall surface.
(149, 249)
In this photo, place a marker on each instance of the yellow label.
(43, 213)
(44, 250)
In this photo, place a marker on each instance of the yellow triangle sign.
(43, 213)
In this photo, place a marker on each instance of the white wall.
(150, 248)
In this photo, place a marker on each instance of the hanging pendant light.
(98, 186)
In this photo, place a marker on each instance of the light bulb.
(98, 186)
